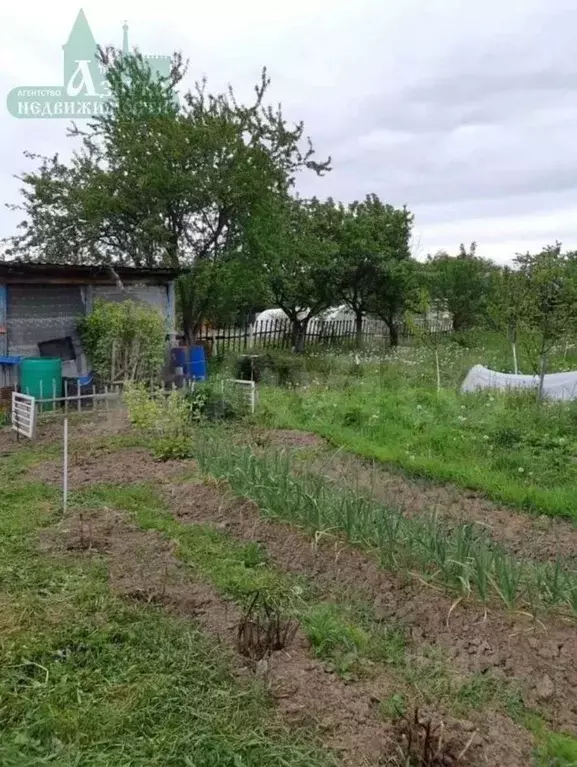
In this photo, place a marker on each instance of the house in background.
(43, 302)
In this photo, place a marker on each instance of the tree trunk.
(393, 331)
(542, 373)
(298, 335)
(359, 328)
(515, 363)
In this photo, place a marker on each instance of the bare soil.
(293, 439)
(82, 426)
(100, 464)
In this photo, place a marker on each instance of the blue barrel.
(178, 357)
(196, 367)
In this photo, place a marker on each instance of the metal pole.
(65, 477)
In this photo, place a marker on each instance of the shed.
(43, 302)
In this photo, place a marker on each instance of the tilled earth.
(538, 657)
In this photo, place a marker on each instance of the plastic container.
(178, 357)
(41, 377)
(196, 368)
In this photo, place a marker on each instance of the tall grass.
(462, 558)
(387, 407)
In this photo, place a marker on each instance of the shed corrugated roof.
(23, 269)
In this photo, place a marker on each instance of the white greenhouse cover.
(562, 386)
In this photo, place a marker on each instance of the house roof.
(23, 271)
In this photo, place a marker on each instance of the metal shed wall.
(150, 294)
(41, 313)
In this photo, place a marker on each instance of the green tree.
(462, 284)
(396, 292)
(373, 240)
(297, 259)
(548, 303)
(124, 340)
(505, 306)
(156, 182)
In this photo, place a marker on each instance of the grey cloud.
(461, 111)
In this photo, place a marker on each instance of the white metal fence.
(77, 399)
(245, 389)
(109, 397)
(23, 414)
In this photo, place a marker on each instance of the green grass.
(558, 750)
(87, 679)
(387, 408)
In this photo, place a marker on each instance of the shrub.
(124, 340)
(160, 414)
(173, 449)
(206, 400)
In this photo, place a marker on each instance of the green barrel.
(41, 377)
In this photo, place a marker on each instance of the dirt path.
(539, 538)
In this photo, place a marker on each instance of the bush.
(206, 400)
(173, 449)
(160, 414)
(124, 340)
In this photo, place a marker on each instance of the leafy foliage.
(506, 306)
(548, 303)
(461, 283)
(372, 263)
(396, 292)
(124, 340)
(297, 258)
(158, 183)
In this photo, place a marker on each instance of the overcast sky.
(466, 112)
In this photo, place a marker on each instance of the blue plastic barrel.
(196, 367)
(178, 356)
